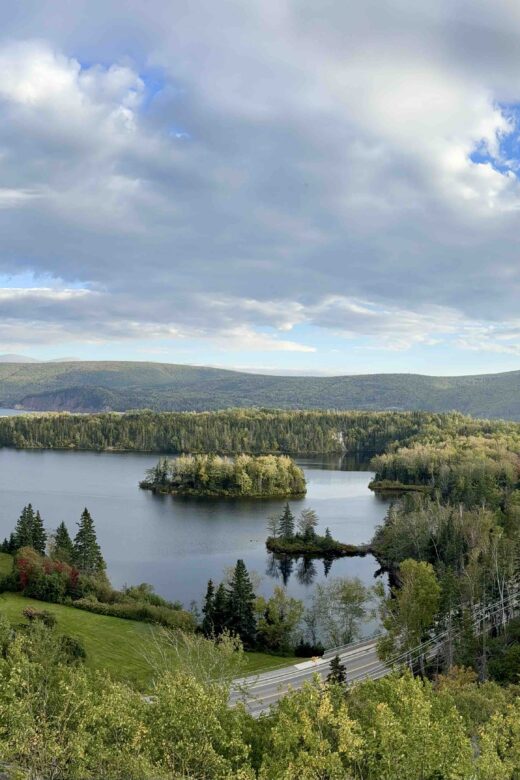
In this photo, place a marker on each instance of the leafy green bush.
(46, 617)
(72, 648)
(148, 613)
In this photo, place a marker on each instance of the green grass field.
(121, 647)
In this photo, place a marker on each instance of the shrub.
(72, 648)
(46, 617)
(43, 578)
(145, 592)
(170, 618)
(9, 583)
(47, 587)
(308, 650)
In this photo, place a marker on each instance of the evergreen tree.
(87, 552)
(338, 673)
(328, 535)
(240, 604)
(220, 610)
(39, 537)
(9, 544)
(208, 622)
(23, 532)
(287, 523)
(63, 546)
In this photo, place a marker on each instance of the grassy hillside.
(118, 386)
(118, 646)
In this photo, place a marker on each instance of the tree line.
(256, 431)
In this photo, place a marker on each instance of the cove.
(176, 543)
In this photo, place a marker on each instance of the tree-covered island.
(289, 536)
(264, 476)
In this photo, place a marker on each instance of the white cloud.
(269, 168)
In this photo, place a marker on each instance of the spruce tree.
(87, 552)
(9, 544)
(39, 537)
(338, 673)
(63, 547)
(23, 532)
(287, 523)
(208, 623)
(220, 610)
(240, 604)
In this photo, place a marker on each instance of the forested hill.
(119, 386)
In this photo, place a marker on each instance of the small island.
(284, 539)
(260, 476)
(394, 486)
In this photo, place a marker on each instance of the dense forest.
(260, 476)
(255, 431)
(60, 720)
(453, 553)
(473, 469)
(453, 549)
(95, 386)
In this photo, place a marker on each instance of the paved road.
(261, 690)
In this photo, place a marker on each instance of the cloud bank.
(256, 174)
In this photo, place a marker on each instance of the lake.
(177, 544)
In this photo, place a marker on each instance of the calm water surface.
(177, 544)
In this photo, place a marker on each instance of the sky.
(325, 187)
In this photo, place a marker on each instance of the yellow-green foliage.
(62, 721)
(244, 475)
(477, 468)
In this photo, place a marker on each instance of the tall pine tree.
(240, 604)
(286, 527)
(208, 622)
(63, 547)
(39, 537)
(220, 610)
(87, 552)
(23, 532)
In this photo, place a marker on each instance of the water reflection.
(358, 461)
(305, 568)
(281, 567)
(306, 571)
(327, 565)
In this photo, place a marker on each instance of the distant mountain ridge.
(12, 358)
(88, 386)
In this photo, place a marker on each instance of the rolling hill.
(119, 386)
